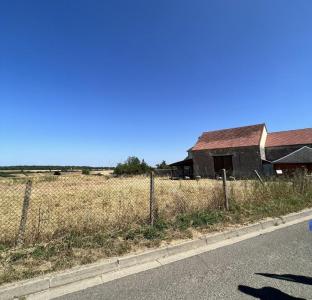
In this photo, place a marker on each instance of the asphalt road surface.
(274, 266)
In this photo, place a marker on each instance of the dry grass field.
(77, 202)
(87, 203)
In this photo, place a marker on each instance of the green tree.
(162, 165)
(132, 166)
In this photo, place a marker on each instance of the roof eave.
(222, 148)
(283, 145)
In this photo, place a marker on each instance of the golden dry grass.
(75, 202)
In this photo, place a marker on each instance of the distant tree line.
(132, 166)
(50, 167)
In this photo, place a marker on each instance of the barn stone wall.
(245, 161)
(274, 153)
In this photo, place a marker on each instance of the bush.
(132, 166)
(57, 173)
(85, 172)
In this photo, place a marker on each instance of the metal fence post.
(259, 177)
(152, 199)
(226, 197)
(22, 227)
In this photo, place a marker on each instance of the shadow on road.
(266, 293)
(289, 277)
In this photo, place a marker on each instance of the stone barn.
(243, 150)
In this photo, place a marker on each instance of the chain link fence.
(42, 208)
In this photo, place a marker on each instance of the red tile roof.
(230, 138)
(290, 137)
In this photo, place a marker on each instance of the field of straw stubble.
(82, 203)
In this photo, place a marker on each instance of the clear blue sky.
(92, 82)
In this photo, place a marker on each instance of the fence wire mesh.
(11, 202)
(60, 204)
(90, 203)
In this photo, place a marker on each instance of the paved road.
(225, 273)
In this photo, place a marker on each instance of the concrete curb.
(78, 274)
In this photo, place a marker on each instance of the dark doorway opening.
(223, 162)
